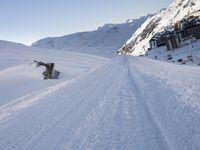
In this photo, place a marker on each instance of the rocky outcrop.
(49, 73)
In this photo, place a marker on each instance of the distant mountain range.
(104, 41)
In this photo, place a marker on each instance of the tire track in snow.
(122, 120)
(140, 88)
(178, 120)
(109, 124)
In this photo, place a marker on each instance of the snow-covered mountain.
(104, 41)
(164, 20)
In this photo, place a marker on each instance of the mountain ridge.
(103, 41)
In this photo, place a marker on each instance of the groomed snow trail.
(121, 105)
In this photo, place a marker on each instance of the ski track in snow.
(113, 107)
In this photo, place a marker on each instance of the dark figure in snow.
(48, 73)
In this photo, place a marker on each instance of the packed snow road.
(126, 104)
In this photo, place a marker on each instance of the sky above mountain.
(26, 21)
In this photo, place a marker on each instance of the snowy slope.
(19, 74)
(103, 42)
(165, 19)
(123, 103)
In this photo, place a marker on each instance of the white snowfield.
(124, 103)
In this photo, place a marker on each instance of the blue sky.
(26, 21)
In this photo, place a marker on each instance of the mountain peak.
(129, 20)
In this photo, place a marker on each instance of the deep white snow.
(123, 103)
